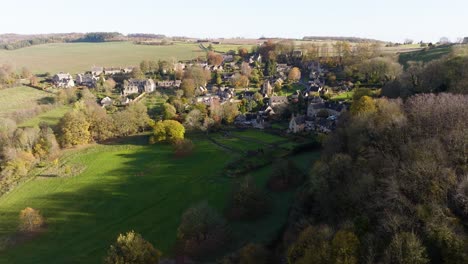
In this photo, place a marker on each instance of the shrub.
(247, 201)
(131, 248)
(30, 220)
(285, 176)
(201, 231)
(168, 131)
(183, 147)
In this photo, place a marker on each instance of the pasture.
(130, 185)
(79, 57)
(51, 117)
(425, 55)
(21, 98)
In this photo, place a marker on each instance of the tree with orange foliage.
(30, 220)
(214, 58)
(294, 74)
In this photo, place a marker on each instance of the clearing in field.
(132, 186)
(79, 57)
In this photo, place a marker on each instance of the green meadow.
(131, 185)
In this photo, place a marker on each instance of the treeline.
(28, 43)
(147, 36)
(100, 37)
(391, 186)
(349, 39)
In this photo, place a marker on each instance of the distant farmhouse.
(63, 80)
(135, 86)
(465, 40)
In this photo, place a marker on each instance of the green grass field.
(425, 55)
(128, 186)
(51, 117)
(79, 57)
(20, 98)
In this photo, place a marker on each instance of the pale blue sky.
(392, 20)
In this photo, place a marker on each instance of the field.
(79, 57)
(425, 55)
(20, 98)
(131, 185)
(51, 117)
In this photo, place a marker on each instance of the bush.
(183, 147)
(30, 220)
(168, 131)
(202, 231)
(131, 248)
(285, 176)
(247, 201)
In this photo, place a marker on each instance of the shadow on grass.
(127, 185)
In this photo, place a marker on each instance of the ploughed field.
(130, 185)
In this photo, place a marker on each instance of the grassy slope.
(124, 187)
(78, 57)
(51, 117)
(425, 55)
(18, 98)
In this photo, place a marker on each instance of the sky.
(388, 20)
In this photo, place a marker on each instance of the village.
(294, 94)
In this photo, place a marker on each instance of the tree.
(247, 201)
(109, 86)
(169, 111)
(214, 58)
(240, 81)
(199, 75)
(230, 112)
(344, 247)
(144, 66)
(406, 248)
(194, 120)
(365, 104)
(168, 131)
(73, 129)
(30, 220)
(245, 69)
(202, 230)
(131, 248)
(312, 246)
(294, 74)
(188, 86)
(243, 52)
(137, 73)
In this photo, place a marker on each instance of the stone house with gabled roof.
(134, 86)
(63, 80)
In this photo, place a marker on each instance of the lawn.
(79, 57)
(21, 98)
(346, 96)
(51, 117)
(125, 186)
